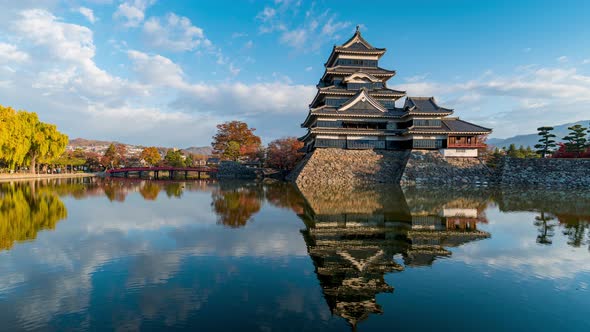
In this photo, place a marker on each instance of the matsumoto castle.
(354, 109)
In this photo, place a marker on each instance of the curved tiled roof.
(343, 90)
(458, 125)
(426, 105)
(374, 71)
(453, 125)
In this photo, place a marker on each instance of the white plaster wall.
(459, 152)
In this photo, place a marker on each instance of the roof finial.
(357, 28)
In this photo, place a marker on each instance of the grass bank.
(25, 176)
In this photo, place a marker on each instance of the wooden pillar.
(199, 175)
(126, 174)
(171, 174)
(185, 175)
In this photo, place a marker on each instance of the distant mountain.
(532, 139)
(82, 142)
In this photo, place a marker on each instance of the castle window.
(357, 62)
(427, 123)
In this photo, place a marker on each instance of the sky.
(166, 72)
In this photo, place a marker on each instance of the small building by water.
(355, 109)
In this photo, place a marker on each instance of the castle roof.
(425, 105)
(453, 126)
(347, 70)
(355, 45)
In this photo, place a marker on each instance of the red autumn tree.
(283, 153)
(235, 140)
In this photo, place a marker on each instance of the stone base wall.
(235, 170)
(430, 168)
(349, 168)
(426, 168)
(546, 173)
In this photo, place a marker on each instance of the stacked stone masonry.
(351, 168)
(345, 168)
(546, 173)
(431, 168)
(234, 170)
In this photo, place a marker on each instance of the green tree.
(188, 161)
(521, 152)
(232, 151)
(151, 155)
(576, 141)
(174, 158)
(47, 143)
(546, 141)
(511, 152)
(14, 138)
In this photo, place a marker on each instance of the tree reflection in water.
(25, 210)
(570, 208)
(236, 203)
(545, 228)
(149, 191)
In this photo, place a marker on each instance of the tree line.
(236, 141)
(26, 142)
(576, 144)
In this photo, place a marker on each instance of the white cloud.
(249, 44)
(63, 40)
(417, 78)
(88, 13)
(132, 12)
(266, 14)
(585, 61)
(516, 103)
(308, 68)
(239, 34)
(174, 33)
(563, 59)
(10, 53)
(294, 38)
(303, 30)
(156, 70)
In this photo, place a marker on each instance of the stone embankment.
(545, 173)
(235, 170)
(345, 168)
(432, 169)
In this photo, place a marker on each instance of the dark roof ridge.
(357, 35)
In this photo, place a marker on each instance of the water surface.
(89, 254)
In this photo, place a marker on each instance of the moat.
(104, 254)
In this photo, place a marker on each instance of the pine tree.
(576, 141)
(511, 151)
(521, 152)
(546, 142)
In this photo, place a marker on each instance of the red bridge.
(172, 171)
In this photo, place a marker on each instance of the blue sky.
(165, 72)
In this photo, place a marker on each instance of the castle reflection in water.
(355, 237)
